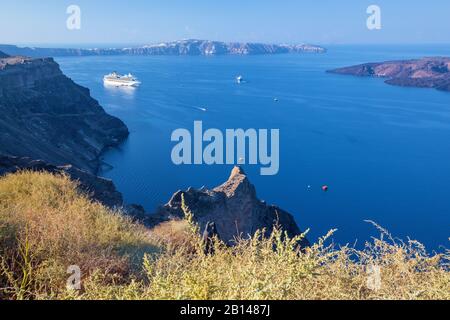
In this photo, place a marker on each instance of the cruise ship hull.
(118, 83)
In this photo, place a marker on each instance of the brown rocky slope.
(46, 116)
(433, 72)
(233, 207)
(100, 189)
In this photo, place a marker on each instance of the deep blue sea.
(384, 151)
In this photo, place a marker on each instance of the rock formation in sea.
(191, 47)
(433, 72)
(46, 116)
(233, 207)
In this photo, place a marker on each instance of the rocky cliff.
(183, 47)
(431, 72)
(233, 207)
(100, 189)
(46, 116)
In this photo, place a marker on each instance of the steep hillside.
(46, 116)
(431, 72)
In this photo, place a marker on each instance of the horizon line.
(83, 45)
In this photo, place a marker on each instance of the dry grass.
(171, 235)
(260, 269)
(46, 225)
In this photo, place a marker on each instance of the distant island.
(191, 47)
(431, 72)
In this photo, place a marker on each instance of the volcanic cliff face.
(46, 116)
(233, 207)
(424, 73)
(191, 47)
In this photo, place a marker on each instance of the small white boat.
(115, 79)
(239, 79)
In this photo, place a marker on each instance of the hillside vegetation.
(48, 225)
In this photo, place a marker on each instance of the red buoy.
(325, 188)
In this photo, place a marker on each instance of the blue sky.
(274, 21)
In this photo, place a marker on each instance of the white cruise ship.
(115, 79)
